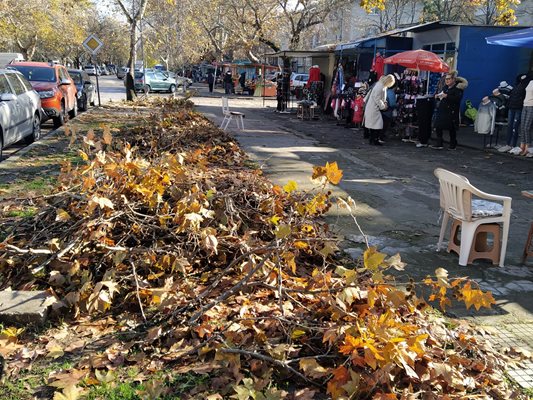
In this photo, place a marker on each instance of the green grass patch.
(24, 213)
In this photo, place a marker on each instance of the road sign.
(93, 44)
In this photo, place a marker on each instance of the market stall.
(415, 91)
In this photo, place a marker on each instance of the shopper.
(210, 81)
(527, 121)
(228, 83)
(515, 104)
(447, 117)
(375, 102)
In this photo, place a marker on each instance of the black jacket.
(516, 98)
(448, 109)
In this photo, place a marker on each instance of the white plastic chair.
(229, 115)
(456, 201)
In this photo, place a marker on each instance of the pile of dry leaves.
(167, 252)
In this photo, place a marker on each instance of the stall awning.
(519, 38)
(299, 53)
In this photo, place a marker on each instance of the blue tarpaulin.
(520, 38)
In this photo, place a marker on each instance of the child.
(358, 108)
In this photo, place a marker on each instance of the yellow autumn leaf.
(297, 333)
(62, 215)
(291, 186)
(11, 333)
(373, 259)
(282, 231)
(83, 155)
(54, 351)
(333, 173)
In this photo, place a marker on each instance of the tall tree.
(134, 12)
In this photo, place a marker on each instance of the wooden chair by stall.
(229, 115)
(456, 201)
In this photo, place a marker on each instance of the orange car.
(55, 87)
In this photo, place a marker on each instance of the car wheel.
(60, 120)
(172, 89)
(84, 103)
(35, 130)
(72, 113)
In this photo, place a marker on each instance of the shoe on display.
(515, 150)
(505, 148)
(419, 145)
(437, 147)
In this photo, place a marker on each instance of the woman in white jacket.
(375, 102)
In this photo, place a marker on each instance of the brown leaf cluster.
(164, 236)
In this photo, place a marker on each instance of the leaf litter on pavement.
(180, 270)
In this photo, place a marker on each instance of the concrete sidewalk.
(397, 200)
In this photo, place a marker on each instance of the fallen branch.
(281, 364)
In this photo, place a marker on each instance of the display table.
(528, 249)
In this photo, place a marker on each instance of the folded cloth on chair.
(485, 208)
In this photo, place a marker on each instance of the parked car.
(180, 81)
(55, 87)
(20, 109)
(121, 72)
(154, 81)
(86, 90)
(298, 80)
(90, 69)
(104, 70)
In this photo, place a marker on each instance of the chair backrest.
(455, 194)
(225, 105)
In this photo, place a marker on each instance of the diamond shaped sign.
(92, 44)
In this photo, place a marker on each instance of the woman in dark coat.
(210, 81)
(447, 117)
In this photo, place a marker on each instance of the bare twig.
(281, 364)
(137, 290)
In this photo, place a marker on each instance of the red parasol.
(419, 59)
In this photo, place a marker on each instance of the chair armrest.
(487, 196)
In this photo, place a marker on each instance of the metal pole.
(97, 84)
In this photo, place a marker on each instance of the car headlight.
(46, 93)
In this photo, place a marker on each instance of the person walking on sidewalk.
(210, 81)
(447, 117)
(228, 82)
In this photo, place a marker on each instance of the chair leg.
(228, 120)
(224, 123)
(505, 237)
(242, 122)
(468, 232)
(445, 218)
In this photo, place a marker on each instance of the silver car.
(20, 110)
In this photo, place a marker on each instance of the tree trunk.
(130, 82)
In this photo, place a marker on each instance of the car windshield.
(76, 77)
(39, 74)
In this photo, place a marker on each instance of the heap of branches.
(163, 225)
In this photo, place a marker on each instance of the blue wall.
(486, 65)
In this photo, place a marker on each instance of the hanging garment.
(314, 75)
(358, 110)
(424, 110)
(378, 65)
(485, 119)
(470, 111)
